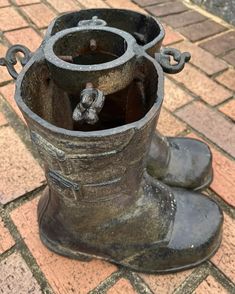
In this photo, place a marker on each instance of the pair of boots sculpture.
(117, 189)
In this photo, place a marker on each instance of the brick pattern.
(16, 278)
(211, 124)
(201, 98)
(210, 286)
(225, 257)
(202, 30)
(6, 240)
(122, 286)
(202, 86)
(70, 275)
(202, 59)
(16, 166)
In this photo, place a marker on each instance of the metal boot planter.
(91, 96)
(178, 162)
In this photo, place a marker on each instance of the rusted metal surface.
(102, 200)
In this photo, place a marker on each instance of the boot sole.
(85, 257)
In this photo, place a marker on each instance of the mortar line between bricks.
(21, 247)
(207, 14)
(184, 26)
(221, 277)
(189, 127)
(21, 200)
(25, 16)
(228, 209)
(50, 6)
(19, 128)
(193, 280)
(107, 283)
(199, 42)
(138, 283)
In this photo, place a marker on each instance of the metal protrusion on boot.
(95, 21)
(91, 103)
(93, 44)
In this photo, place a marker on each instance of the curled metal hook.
(10, 60)
(163, 58)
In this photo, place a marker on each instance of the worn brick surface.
(93, 4)
(122, 286)
(40, 14)
(144, 3)
(210, 286)
(167, 9)
(225, 257)
(169, 125)
(202, 59)
(224, 177)
(13, 20)
(3, 120)
(183, 19)
(171, 36)
(228, 79)
(165, 284)
(6, 240)
(123, 3)
(229, 109)
(16, 277)
(223, 174)
(230, 57)
(25, 2)
(210, 123)
(27, 36)
(201, 30)
(63, 6)
(202, 86)
(220, 44)
(4, 3)
(19, 172)
(175, 97)
(8, 92)
(70, 275)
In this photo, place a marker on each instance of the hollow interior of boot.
(90, 47)
(54, 105)
(143, 28)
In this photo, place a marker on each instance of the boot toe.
(195, 236)
(190, 164)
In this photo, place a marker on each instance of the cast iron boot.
(179, 162)
(76, 94)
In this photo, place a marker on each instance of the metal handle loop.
(10, 60)
(163, 58)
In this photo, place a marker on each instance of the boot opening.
(47, 100)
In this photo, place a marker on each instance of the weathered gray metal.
(101, 201)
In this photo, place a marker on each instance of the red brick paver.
(165, 284)
(229, 109)
(211, 124)
(6, 240)
(70, 275)
(27, 36)
(210, 286)
(202, 86)
(19, 171)
(198, 100)
(16, 277)
(122, 286)
(225, 257)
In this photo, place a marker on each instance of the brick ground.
(199, 102)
